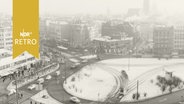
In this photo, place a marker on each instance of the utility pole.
(129, 51)
(65, 68)
(98, 98)
(16, 88)
(137, 89)
(65, 74)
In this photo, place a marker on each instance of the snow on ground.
(90, 83)
(47, 100)
(61, 47)
(88, 57)
(151, 88)
(137, 66)
(74, 60)
(101, 81)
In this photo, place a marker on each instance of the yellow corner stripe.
(26, 27)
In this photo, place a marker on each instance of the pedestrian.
(145, 94)
(21, 95)
(4, 79)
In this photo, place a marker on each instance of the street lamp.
(137, 89)
(16, 88)
(130, 51)
(98, 98)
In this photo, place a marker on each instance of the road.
(56, 89)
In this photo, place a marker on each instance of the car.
(57, 73)
(45, 97)
(77, 64)
(12, 91)
(84, 61)
(73, 66)
(48, 77)
(31, 87)
(40, 80)
(74, 99)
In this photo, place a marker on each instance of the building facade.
(6, 38)
(178, 41)
(117, 29)
(112, 46)
(8, 65)
(163, 41)
(71, 34)
(78, 35)
(57, 30)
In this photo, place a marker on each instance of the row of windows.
(8, 43)
(162, 46)
(179, 37)
(8, 39)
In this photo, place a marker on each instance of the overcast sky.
(96, 6)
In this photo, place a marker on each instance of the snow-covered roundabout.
(101, 80)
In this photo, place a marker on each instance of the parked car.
(12, 91)
(31, 87)
(48, 77)
(73, 67)
(84, 61)
(75, 100)
(40, 80)
(45, 97)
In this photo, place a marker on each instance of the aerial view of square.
(96, 52)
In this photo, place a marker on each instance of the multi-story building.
(73, 34)
(112, 46)
(6, 33)
(178, 40)
(6, 37)
(117, 29)
(146, 31)
(5, 22)
(163, 41)
(43, 28)
(78, 35)
(58, 30)
(8, 65)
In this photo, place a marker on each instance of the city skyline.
(98, 7)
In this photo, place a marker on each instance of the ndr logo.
(25, 34)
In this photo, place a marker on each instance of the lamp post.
(16, 88)
(130, 51)
(65, 68)
(98, 97)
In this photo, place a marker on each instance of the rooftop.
(9, 59)
(108, 39)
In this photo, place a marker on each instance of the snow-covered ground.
(39, 99)
(90, 83)
(89, 57)
(137, 66)
(74, 60)
(94, 82)
(149, 84)
(61, 47)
